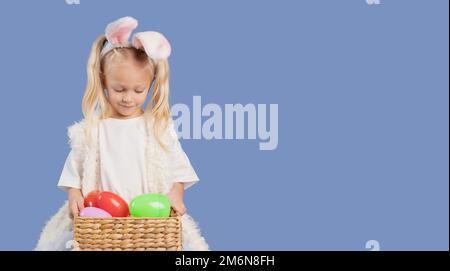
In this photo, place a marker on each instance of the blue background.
(363, 116)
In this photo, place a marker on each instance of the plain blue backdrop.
(363, 116)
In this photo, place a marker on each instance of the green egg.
(150, 205)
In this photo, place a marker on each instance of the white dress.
(123, 161)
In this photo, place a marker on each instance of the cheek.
(140, 98)
(114, 96)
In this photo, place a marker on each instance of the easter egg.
(94, 212)
(113, 204)
(91, 199)
(150, 205)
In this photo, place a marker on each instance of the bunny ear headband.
(118, 33)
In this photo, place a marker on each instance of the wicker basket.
(128, 233)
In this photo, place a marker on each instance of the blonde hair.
(96, 106)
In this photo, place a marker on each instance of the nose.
(126, 98)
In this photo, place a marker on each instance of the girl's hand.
(175, 196)
(76, 202)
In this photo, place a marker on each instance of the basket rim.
(173, 214)
(125, 218)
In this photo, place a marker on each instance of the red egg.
(91, 199)
(113, 204)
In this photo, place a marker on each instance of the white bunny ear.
(119, 31)
(154, 43)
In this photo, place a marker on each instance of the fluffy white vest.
(57, 233)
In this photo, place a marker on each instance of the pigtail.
(93, 99)
(159, 106)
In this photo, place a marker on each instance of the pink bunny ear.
(155, 44)
(119, 31)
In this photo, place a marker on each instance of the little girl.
(118, 146)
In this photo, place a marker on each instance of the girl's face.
(127, 85)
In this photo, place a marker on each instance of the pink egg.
(94, 212)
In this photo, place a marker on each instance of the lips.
(127, 106)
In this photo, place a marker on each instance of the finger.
(80, 204)
(70, 211)
(74, 208)
(177, 209)
(181, 210)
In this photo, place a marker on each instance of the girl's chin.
(127, 112)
